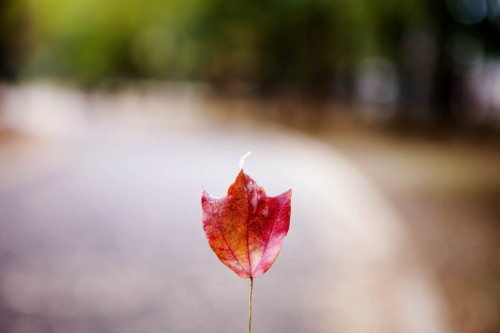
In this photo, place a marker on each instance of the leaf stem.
(242, 160)
(250, 306)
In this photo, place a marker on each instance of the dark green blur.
(315, 47)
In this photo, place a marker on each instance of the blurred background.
(382, 116)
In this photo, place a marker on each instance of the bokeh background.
(382, 116)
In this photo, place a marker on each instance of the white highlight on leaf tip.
(242, 160)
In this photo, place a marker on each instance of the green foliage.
(265, 43)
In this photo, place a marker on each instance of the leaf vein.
(270, 234)
(227, 243)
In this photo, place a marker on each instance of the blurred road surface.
(100, 224)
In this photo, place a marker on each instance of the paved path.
(100, 226)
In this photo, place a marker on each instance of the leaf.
(245, 228)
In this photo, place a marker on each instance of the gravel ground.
(448, 191)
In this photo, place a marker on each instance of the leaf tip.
(204, 195)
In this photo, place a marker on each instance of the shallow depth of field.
(382, 116)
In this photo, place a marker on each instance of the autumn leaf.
(245, 228)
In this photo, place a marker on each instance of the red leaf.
(245, 229)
